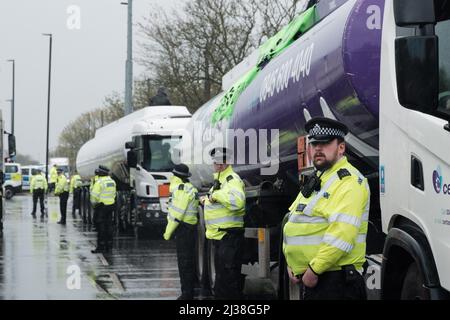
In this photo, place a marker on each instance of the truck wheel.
(9, 193)
(413, 285)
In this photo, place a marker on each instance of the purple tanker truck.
(382, 68)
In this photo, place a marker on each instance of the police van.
(13, 179)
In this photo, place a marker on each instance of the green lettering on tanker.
(270, 49)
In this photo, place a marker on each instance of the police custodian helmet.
(325, 130)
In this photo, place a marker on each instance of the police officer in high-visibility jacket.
(62, 191)
(75, 189)
(38, 187)
(182, 223)
(224, 209)
(53, 178)
(91, 186)
(325, 235)
(103, 198)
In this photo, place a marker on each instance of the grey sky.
(87, 65)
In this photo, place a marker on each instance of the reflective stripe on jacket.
(328, 230)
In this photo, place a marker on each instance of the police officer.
(38, 187)
(91, 186)
(62, 191)
(53, 178)
(182, 221)
(75, 189)
(103, 197)
(325, 236)
(224, 209)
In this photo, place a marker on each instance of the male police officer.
(75, 189)
(182, 222)
(53, 178)
(224, 219)
(38, 187)
(62, 191)
(325, 236)
(103, 197)
(93, 219)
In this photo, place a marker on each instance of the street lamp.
(13, 100)
(129, 63)
(48, 100)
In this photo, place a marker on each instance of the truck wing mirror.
(130, 145)
(417, 68)
(131, 159)
(11, 145)
(419, 12)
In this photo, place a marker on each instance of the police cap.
(181, 170)
(59, 170)
(325, 130)
(220, 155)
(103, 169)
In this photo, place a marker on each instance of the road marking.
(103, 259)
(115, 279)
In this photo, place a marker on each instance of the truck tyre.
(9, 192)
(413, 285)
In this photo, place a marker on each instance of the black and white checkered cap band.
(317, 130)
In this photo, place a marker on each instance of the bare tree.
(190, 53)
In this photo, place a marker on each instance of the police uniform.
(327, 225)
(103, 198)
(75, 189)
(91, 186)
(182, 223)
(224, 219)
(62, 191)
(38, 187)
(53, 179)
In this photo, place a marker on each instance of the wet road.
(44, 260)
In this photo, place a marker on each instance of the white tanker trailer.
(138, 150)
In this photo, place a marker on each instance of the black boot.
(98, 250)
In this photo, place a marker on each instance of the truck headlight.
(154, 207)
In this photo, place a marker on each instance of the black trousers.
(38, 194)
(186, 236)
(51, 187)
(336, 285)
(63, 197)
(103, 216)
(227, 261)
(76, 200)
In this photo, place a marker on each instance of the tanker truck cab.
(415, 149)
(152, 150)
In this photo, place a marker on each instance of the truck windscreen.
(443, 32)
(158, 153)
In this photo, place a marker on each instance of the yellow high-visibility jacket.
(53, 175)
(183, 205)
(62, 185)
(228, 207)
(104, 191)
(75, 182)
(328, 230)
(38, 181)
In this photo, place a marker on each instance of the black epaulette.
(342, 173)
(181, 187)
(229, 178)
